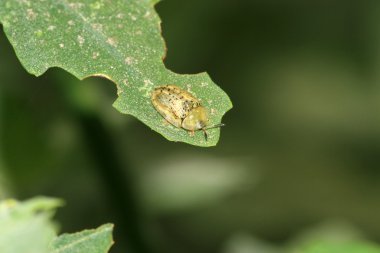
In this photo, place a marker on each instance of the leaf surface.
(88, 241)
(27, 227)
(119, 40)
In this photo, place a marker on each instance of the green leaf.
(333, 237)
(342, 247)
(26, 227)
(121, 42)
(88, 241)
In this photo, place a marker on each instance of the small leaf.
(121, 42)
(88, 241)
(25, 227)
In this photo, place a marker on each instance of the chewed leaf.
(119, 40)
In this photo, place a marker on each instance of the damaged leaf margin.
(120, 41)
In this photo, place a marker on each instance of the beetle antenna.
(215, 126)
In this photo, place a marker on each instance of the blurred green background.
(297, 163)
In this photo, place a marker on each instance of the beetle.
(181, 109)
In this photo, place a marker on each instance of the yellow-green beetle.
(181, 109)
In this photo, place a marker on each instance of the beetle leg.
(205, 133)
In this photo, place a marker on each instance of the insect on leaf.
(119, 40)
